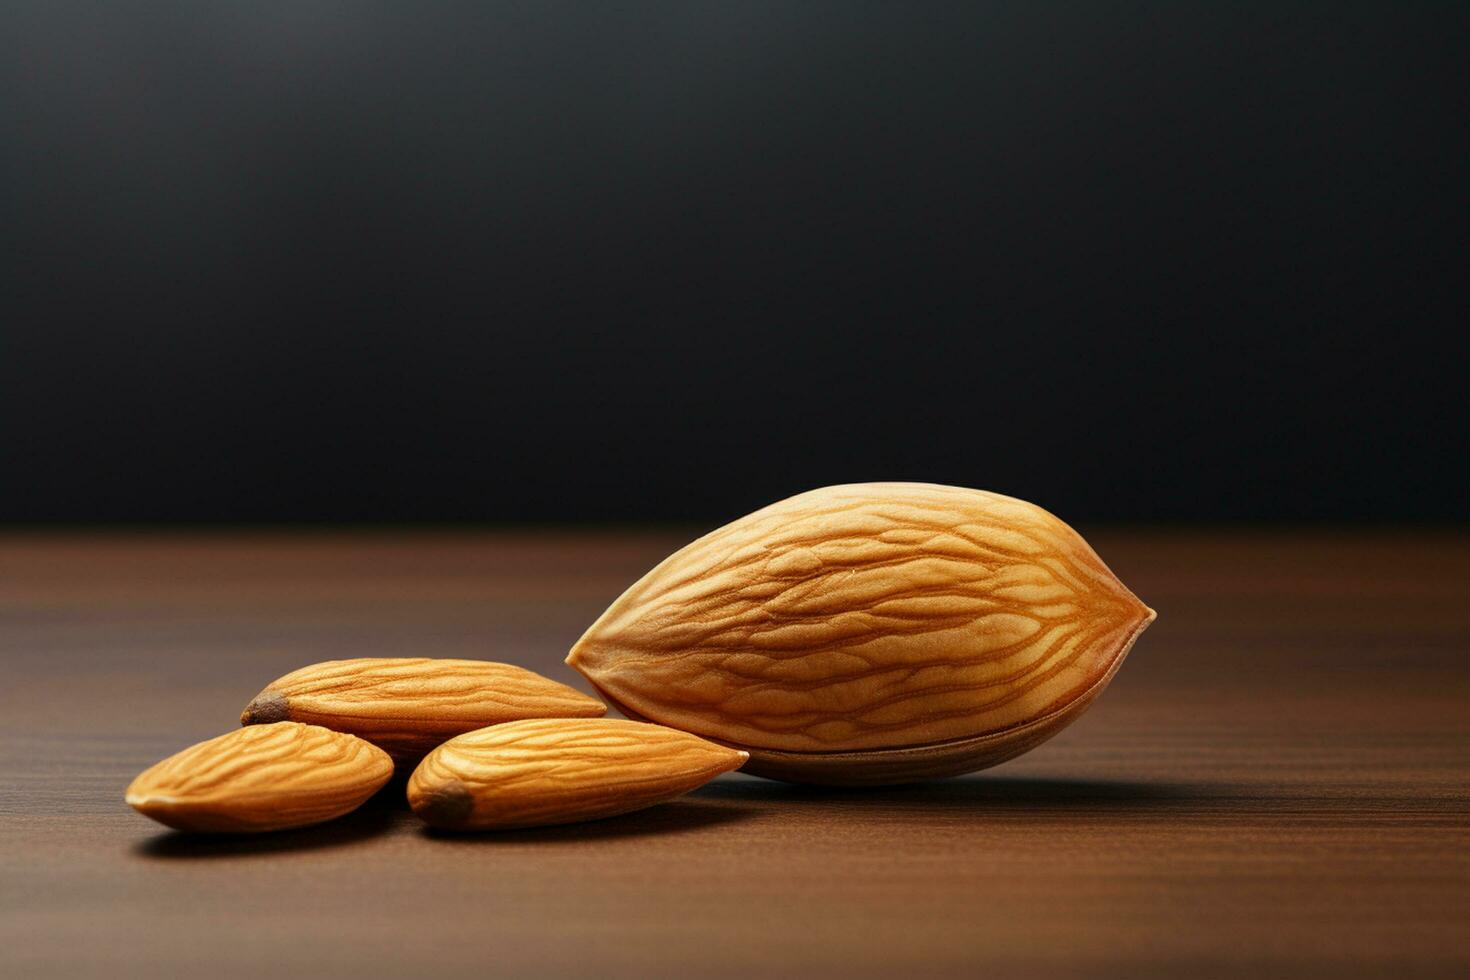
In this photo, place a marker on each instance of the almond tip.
(267, 708)
(447, 807)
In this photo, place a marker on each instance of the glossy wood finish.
(1274, 784)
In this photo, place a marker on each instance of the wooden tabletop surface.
(1274, 785)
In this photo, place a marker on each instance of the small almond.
(556, 771)
(266, 777)
(408, 705)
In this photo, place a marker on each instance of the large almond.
(408, 705)
(871, 633)
(555, 771)
(267, 777)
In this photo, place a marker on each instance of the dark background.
(502, 262)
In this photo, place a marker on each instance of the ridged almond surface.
(266, 777)
(408, 705)
(870, 633)
(555, 771)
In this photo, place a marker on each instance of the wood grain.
(1275, 784)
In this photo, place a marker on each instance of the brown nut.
(408, 705)
(267, 777)
(556, 771)
(870, 633)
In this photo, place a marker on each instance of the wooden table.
(1275, 784)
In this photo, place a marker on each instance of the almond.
(406, 706)
(267, 777)
(871, 633)
(555, 771)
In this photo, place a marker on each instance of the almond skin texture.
(555, 771)
(871, 633)
(406, 706)
(266, 777)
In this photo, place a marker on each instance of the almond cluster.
(854, 635)
(489, 746)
